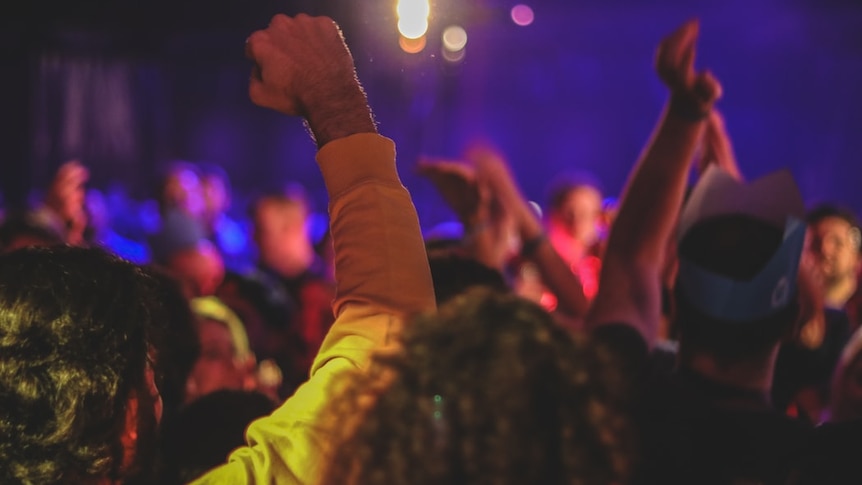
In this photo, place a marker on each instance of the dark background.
(127, 86)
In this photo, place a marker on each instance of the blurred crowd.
(671, 334)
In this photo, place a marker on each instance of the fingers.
(676, 54)
(707, 88)
(258, 92)
(281, 21)
(257, 47)
(438, 168)
(686, 66)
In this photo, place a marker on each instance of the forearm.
(339, 116)
(556, 274)
(629, 285)
(487, 244)
(380, 257)
(655, 192)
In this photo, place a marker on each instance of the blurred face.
(280, 229)
(832, 246)
(201, 269)
(580, 213)
(217, 367)
(183, 190)
(216, 198)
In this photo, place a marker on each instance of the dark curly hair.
(76, 328)
(489, 390)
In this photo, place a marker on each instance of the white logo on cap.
(780, 293)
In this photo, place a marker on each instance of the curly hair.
(489, 390)
(75, 334)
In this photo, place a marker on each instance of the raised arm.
(304, 68)
(493, 171)
(487, 227)
(717, 149)
(629, 289)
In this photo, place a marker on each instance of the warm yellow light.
(412, 28)
(413, 17)
(454, 38)
(412, 46)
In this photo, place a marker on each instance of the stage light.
(413, 17)
(412, 46)
(522, 15)
(454, 38)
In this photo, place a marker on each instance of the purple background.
(129, 88)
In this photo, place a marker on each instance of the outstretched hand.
(693, 92)
(304, 68)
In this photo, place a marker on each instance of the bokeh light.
(413, 17)
(454, 38)
(412, 46)
(522, 15)
(453, 56)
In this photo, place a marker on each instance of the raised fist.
(299, 61)
(693, 92)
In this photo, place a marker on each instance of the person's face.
(216, 198)
(201, 269)
(218, 366)
(580, 213)
(279, 227)
(183, 190)
(833, 248)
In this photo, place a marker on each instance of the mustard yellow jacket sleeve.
(382, 276)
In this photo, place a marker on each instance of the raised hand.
(304, 68)
(493, 172)
(693, 92)
(456, 182)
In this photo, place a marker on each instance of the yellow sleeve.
(382, 276)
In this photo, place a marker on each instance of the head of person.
(206, 431)
(182, 248)
(739, 248)
(200, 267)
(487, 390)
(77, 387)
(180, 189)
(20, 231)
(454, 274)
(180, 348)
(280, 230)
(225, 360)
(215, 188)
(834, 245)
(575, 207)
